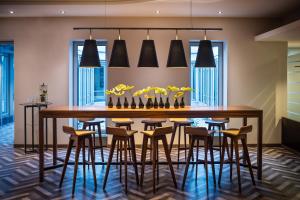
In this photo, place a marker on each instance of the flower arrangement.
(148, 93)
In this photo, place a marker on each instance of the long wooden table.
(55, 112)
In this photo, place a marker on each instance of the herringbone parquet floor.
(19, 178)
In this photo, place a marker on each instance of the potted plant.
(109, 93)
(138, 93)
(161, 91)
(171, 90)
(147, 94)
(184, 90)
(128, 89)
(119, 91)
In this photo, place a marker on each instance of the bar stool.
(153, 123)
(235, 135)
(126, 123)
(91, 124)
(155, 136)
(123, 136)
(218, 123)
(79, 137)
(197, 134)
(180, 123)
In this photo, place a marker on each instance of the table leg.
(259, 146)
(54, 141)
(25, 130)
(244, 154)
(41, 148)
(32, 128)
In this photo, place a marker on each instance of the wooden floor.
(19, 178)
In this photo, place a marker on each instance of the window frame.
(75, 73)
(221, 71)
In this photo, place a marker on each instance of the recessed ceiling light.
(220, 12)
(62, 12)
(11, 12)
(157, 12)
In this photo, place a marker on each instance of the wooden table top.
(188, 111)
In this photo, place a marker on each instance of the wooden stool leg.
(212, 159)
(237, 157)
(178, 150)
(112, 148)
(188, 162)
(143, 157)
(248, 159)
(83, 160)
(133, 153)
(100, 141)
(121, 159)
(231, 158)
(173, 137)
(168, 156)
(125, 163)
(197, 158)
(78, 147)
(129, 150)
(118, 150)
(93, 161)
(69, 149)
(222, 158)
(205, 162)
(157, 160)
(153, 142)
(184, 135)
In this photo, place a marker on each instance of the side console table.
(32, 106)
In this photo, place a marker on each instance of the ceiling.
(148, 8)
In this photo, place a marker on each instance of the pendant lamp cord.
(176, 34)
(119, 34)
(204, 34)
(90, 33)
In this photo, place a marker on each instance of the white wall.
(256, 70)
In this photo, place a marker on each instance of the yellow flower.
(138, 93)
(186, 89)
(120, 87)
(178, 94)
(159, 90)
(110, 92)
(173, 88)
(128, 87)
(119, 93)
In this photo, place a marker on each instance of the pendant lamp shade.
(90, 56)
(119, 56)
(148, 56)
(176, 56)
(205, 55)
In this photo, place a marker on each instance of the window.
(6, 82)
(207, 83)
(89, 83)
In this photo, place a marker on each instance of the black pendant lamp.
(205, 55)
(119, 56)
(90, 56)
(148, 56)
(176, 57)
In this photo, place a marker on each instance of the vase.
(161, 103)
(182, 104)
(155, 104)
(167, 104)
(176, 104)
(119, 105)
(141, 104)
(126, 104)
(149, 103)
(110, 103)
(133, 104)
